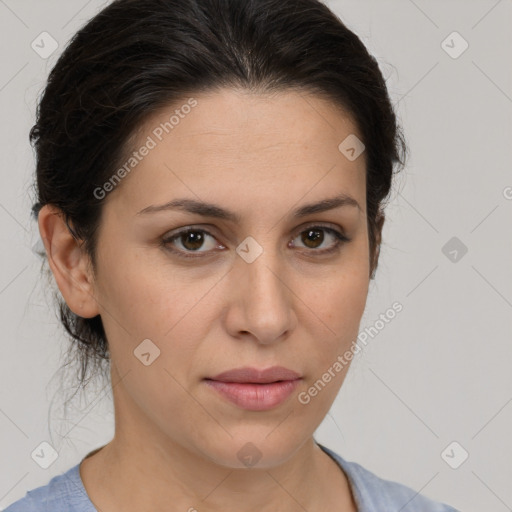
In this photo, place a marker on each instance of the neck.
(158, 477)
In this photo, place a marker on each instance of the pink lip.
(255, 376)
(256, 390)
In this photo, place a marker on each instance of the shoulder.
(374, 494)
(63, 493)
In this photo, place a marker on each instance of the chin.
(258, 451)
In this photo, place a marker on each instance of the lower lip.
(255, 397)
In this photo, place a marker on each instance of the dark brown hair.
(137, 56)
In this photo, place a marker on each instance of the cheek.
(346, 303)
(146, 296)
(341, 295)
(157, 302)
(339, 303)
(341, 307)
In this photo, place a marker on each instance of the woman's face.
(267, 288)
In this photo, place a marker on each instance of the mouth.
(253, 389)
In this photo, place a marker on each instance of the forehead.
(232, 145)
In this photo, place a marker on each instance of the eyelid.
(323, 225)
(166, 240)
(334, 229)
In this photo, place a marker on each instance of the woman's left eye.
(313, 237)
(191, 240)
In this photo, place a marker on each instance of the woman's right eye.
(190, 240)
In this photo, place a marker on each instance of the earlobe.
(68, 262)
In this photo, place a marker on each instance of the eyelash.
(340, 240)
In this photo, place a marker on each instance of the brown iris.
(312, 236)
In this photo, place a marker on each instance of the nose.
(262, 303)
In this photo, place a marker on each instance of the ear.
(68, 261)
(379, 223)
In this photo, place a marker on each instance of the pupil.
(310, 237)
(196, 239)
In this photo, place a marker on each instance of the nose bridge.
(260, 266)
(262, 287)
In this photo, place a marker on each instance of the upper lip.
(255, 376)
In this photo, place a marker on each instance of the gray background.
(439, 372)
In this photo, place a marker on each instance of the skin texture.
(176, 440)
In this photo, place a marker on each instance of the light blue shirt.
(66, 493)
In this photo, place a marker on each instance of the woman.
(210, 180)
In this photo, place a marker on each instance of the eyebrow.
(211, 210)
